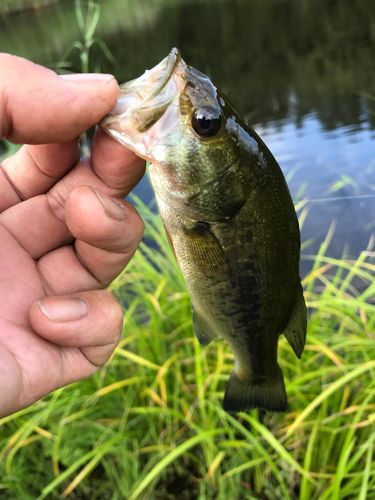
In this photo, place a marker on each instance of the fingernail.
(111, 206)
(88, 77)
(63, 308)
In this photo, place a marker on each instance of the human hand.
(65, 230)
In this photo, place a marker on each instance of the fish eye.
(206, 121)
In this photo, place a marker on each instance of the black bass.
(229, 218)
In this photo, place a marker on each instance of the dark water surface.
(302, 72)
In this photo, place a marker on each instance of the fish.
(229, 218)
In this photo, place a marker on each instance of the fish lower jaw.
(125, 140)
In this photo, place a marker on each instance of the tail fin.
(267, 395)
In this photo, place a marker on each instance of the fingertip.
(119, 167)
(99, 88)
(89, 98)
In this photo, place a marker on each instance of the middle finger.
(107, 234)
(33, 170)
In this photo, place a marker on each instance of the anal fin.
(202, 329)
(295, 331)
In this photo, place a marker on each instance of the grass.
(87, 16)
(150, 424)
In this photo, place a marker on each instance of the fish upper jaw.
(135, 119)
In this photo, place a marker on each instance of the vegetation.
(88, 16)
(150, 424)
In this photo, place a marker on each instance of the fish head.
(176, 118)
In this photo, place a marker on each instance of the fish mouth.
(143, 101)
(165, 69)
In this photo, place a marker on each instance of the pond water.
(301, 72)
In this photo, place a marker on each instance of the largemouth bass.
(228, 216)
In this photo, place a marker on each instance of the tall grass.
(150, 424)
(87, 16)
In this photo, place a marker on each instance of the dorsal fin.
(295, 331)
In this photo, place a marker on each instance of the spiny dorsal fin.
(295, 331)
(202, 329)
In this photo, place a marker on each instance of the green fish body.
(229, 218)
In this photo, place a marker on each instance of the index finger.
(37, 106)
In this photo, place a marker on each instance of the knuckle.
(58, 194)
(56, 202)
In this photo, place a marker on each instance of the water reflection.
(301, 71)
(316, 158)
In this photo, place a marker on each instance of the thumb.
(37, 106)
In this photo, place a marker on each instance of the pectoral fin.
(206, 252)
(202, 329)
(295, 332)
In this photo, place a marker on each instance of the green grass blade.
(98, 451)
(277, 446)
(363, 494)
(173, 455)
(306, 485)
(327, 392)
